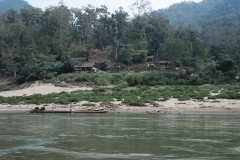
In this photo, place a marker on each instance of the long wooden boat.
(78, 111)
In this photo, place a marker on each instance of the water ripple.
(38, 149)
(199, 140)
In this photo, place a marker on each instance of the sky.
(111, 4)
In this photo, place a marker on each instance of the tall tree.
(121, 17)
(157, 31)
(138, 34)
(103, 28)
(11, 58)
(84, 24)
(31, 16)
(140, 7)
(56, 27)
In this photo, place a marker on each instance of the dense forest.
(40, 45)
(5, 5)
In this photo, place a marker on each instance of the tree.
(157, 31)
(64, 16)
(225, 65)
(12, 16)
(31, 16)
(27, 54)
(103, 29)
(105, 65)
(140, 57)
(140, 7)
(121, 17)
(84, 24)
(115, 41)
(174, 49)
(11, 58)
(138, 34)
(125, 56)
(56, 28)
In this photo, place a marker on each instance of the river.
(118, 136)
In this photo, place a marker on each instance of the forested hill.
(41, 45)
(199, 13)
(5, 5)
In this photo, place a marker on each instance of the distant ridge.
(5, 5)
(192, 13)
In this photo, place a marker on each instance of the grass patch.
(135, 96)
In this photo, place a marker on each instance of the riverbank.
(39, 87)
(171, 106)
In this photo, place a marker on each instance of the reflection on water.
(119, 136)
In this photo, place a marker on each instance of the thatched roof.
(150, 57)
(85, 65)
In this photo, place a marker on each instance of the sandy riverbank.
(41, 88)
(172, 106)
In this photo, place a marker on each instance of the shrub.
(125, 56)
(195, 81)
(44, 70)
(225, 65)
(102, 79)
(140, 57)
(67, 66)
(62, 101)
(117, 78)
(134, 79)
(105, 65)
(230, 76)
(64, 77)
(84, 77)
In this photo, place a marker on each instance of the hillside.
(198, 13)
(40, 45)
(5, 5)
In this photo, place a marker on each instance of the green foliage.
(134, 79)
(138, 34)
(140, 57)
(84, 77)
(45, 70)
(151, 78)
(39, 45)
(125, 56)
(136, 96)
(120, 65)
(118, 78)
(80, 51)
(198, 13)
(65, 77)
(188, 61)
(230, 76)
(105, 65)
(225, 65)
(67, 66)
(102, 79)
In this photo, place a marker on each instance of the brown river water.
(118, 136)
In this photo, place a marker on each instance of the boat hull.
(80, 111)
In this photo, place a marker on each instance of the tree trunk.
(15, 74)
(116, 55)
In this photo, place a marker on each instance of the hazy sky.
(111, 4)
